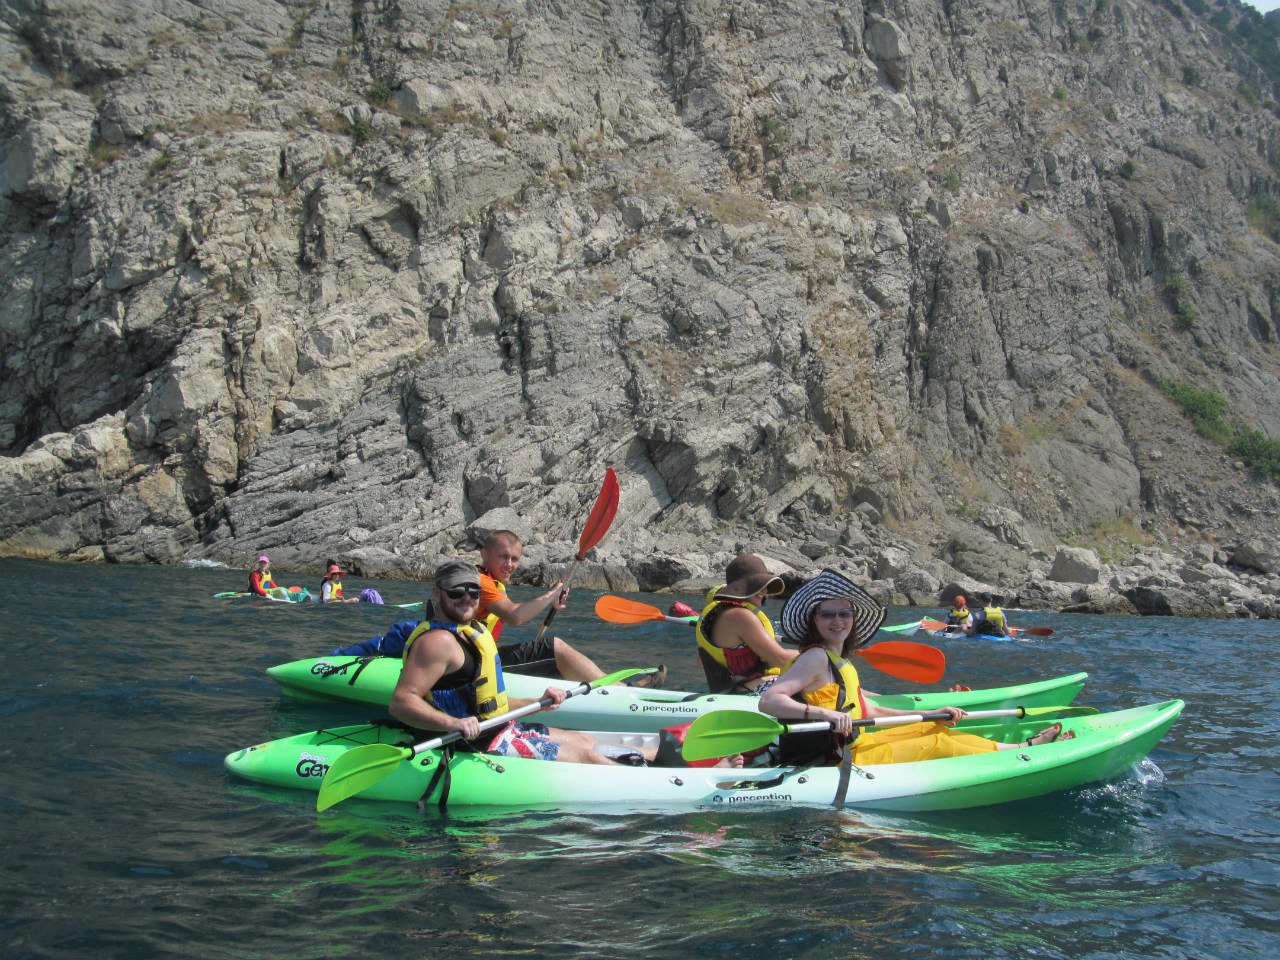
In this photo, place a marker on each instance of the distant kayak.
(943, 631)
(960, 635)
(1105, 745)
(301, 594)
(370, 680)
(902, 629)
(275, 594)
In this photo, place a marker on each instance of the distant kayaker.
(331, 586)
(989, 620)
(737, 646)
(452, 679)
(549, 656)
(831, 617)
(958, 617)
(260, 581)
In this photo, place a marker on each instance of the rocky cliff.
(896, 286)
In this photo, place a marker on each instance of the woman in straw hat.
(831, 617)
(331, 586)
(737, 647)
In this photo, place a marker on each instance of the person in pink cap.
(260, 582)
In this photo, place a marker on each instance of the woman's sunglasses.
(845, 614)
(457, 593)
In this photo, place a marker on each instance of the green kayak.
(370, 680)
(1105, 746)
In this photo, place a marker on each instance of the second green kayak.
(370, 680)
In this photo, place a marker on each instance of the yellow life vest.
(485, 694)
(335, 588)
(843, 693)
(994, 615)
(739, 663)
(264, 581)
(959, 614)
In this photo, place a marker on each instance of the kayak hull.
(370, 680)
(1105, 746)
(276, 595)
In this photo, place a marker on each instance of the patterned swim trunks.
(528, 740)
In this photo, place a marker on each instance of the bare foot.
(734, 761)
(1050, 734)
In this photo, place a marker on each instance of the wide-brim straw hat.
(868, 614)
(747, 575)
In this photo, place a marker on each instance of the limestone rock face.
(877, 286)
(1075, 565)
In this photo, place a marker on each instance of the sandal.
(650, 680)
(1054, 730)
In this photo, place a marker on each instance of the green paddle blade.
(722, 733)
(357, 769)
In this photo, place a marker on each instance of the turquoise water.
(124, 838)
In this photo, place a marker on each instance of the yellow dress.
(917, 741)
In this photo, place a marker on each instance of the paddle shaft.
(365, 765)
(551, 611)
(498, 721)
(907, 718)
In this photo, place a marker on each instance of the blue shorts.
(531, 741)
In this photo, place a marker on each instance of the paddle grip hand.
(552, 697)
(466, 727)
(956, 715)
(557, 596)
(840, 722)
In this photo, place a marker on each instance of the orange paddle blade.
(906, 660)
(618, 610)
(927, 624)
(1033, 631)
(602, 514)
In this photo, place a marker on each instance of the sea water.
(123, 837)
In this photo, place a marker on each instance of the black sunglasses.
(457, 593)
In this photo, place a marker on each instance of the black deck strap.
(443, 777)
(336, 735)
(364, 662)
(333, 669)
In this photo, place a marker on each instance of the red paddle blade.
(906, 660)
(618, 610)
(1033, 631)
(602, 514)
